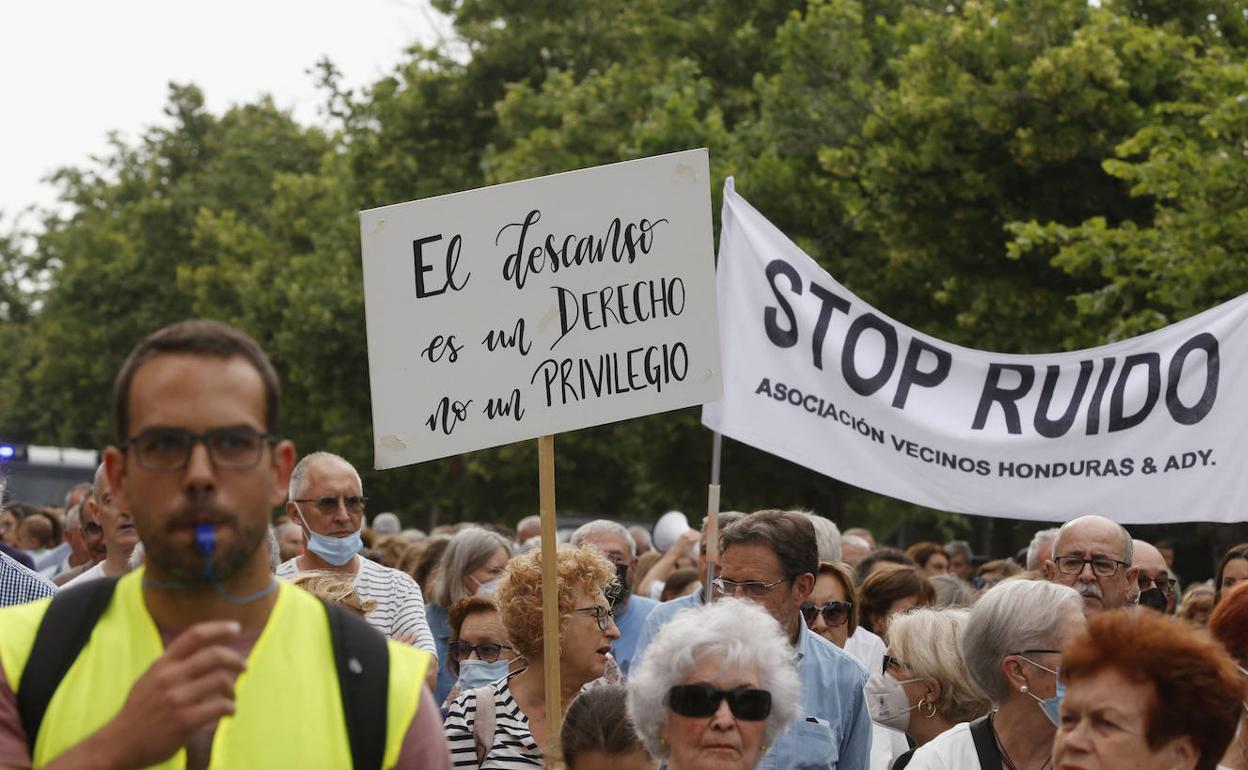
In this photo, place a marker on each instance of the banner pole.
(550, 596)
(712, 518)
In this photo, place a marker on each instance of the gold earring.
(925, 702)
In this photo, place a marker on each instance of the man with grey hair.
(1041, 549)
(771, 558)
(641, 538)
(326, 497)
(961, 559)
(854, 548)
(1155, 587)
(528, 528)
(290, 540)
(120, 535)
(616, 543)
(1093, 555)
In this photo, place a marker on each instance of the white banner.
(538, 307)
(1148, 430)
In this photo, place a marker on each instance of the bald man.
(1094, 556)
(1153, 575)
(120, 536)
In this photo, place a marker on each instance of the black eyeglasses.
(328, 504)
(834, 613)
(602, 615)
(1164, 583)
(460, 651)
(1101, 566)
(702, 700)
(169, 449)
(891, 662)
(754, 589)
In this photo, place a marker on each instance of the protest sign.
(541, 306)
(1147, 430)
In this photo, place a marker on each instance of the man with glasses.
(117, 532)
(326, 497)
(1093, 555)
(199, 464)
(1156, 588)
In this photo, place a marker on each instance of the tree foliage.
(1006, 175)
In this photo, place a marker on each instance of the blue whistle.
(205, 538)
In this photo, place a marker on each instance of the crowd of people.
(164, 618)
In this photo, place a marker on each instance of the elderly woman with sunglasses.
(1012, 646)
(515, 707)
(925, 688)
(717, 685)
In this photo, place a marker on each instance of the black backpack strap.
(363, 664)
(63, 632)
(986, 743)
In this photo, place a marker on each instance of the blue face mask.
(335, 550)
(478, 673)
(1050, 706)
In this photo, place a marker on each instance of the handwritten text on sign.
(538, 307)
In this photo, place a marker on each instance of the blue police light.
(7, 451)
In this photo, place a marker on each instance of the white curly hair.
(742, 636)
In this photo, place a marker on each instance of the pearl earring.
(1023, 689)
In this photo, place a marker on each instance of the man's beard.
(175, 563)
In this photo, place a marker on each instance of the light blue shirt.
(630, 622)
(833, 728)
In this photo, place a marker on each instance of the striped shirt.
(400, 610)
(513, 745)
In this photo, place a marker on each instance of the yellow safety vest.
(288, 708)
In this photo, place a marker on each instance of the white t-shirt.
(954, 749)
(400, 610)
(95, 573)
(868, 648)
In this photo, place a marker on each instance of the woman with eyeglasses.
(1146, 692)
(1012, 646)
(831, 611)
(479, 652)
(1229, 625)
(717, 685)
(925, 688)
(509, 728)
(474, 558)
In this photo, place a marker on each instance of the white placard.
(1147, 430)
(539, 307)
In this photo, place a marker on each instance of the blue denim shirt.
(440, 626)
(833, 728)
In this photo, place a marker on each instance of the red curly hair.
(519, 594)
(1197, 687)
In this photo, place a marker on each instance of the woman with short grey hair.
(1011, 645)
(474, 558)
(718, 679)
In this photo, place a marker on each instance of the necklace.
(1006, 761)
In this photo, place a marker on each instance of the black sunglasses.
(834, 613)
(702, 700)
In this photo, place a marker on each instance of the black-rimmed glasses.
(602, 615)
(460, 651)
(754, 589)
(834, 613)
(328, 504)
(701, 700)
(1101, 566)
(169, 449)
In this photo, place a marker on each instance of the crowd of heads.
(1084, 625)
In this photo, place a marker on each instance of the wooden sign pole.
(550, 595)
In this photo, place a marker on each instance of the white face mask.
(887, 701)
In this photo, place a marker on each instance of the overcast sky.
(73, 70)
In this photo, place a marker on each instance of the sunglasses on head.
(834, 613)
(702, 700)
